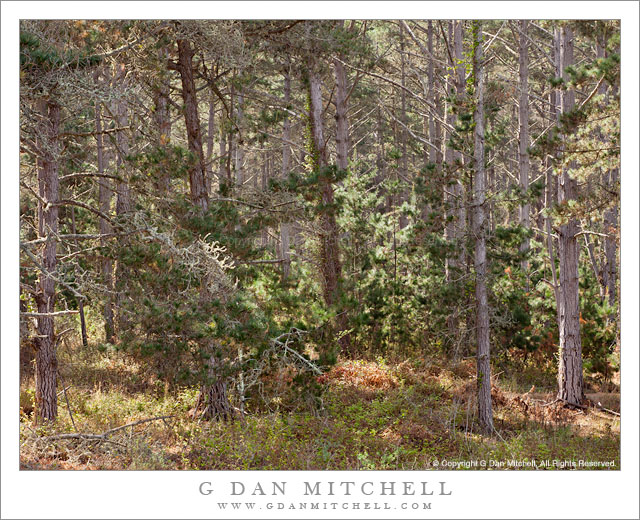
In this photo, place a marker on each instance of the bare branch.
(47, 314)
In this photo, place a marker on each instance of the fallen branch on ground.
(602, 409)
(102, 436)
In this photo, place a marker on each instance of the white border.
(174, 494)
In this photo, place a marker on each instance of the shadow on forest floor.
(372, 416)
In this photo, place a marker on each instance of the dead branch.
(67, 202)
(88, 134)
(103, 436)
(47, 314)
(79, 175)
(602, 409)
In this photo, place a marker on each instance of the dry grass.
(373, 416)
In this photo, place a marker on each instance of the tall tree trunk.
(162, 118)
(239, 140)
(210, 132)
(458, 186)
(570, 379)
(217, 405)
(105, 193)
(449, 228)
(285, 227)
(342, 122)
(404, 170)
(485, 412)
(380, 158)
(451, 192)
(197, 172)
(224, 153)
(433, 137)
(46, 400)
(610, 243)
(123, 190)
(330, 251)
(83, 323)
(611, 179)
(121, 109)
(264, 242)
(523, 153)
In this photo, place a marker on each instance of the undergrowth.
(371, 415)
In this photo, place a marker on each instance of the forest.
(319, 244)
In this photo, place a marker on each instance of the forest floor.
(373, 416)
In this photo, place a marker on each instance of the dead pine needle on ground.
(372, 415)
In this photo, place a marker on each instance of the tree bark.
(485, 411)
(285, 227)
(123, 190)
(404, 170)
(448, 159)
(330, 252)
(433, 137)
(162, 119)
(329, 238)
(458, 186)
(342, 122)
(210, 132)
(123, 200)
(523, 144)
(611, 179)
(105, 192)
(197, 171)
(610, 243)
(218, 406)
(224, 153)
(451, 194)
(570, 379)
(46, 399)
(239, 140)
(83, 323)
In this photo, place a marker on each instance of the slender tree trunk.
(570, 379)
(610, 243)
(450, 196)
(285, 227)
(458, 186)
(433, 137)
(548, 196)
(46, 399)
(162, 118)
(123, 190)
(105, 193)
(342, 122)
(263, 184)
(485, 412)
(594, 265)
(330, 251)
(239, 141)
(404, 170)
(523, 153)
(210, 132)
(611, 178)
(83, 323)
(222, 169)
(449, 234)
(121, 109)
